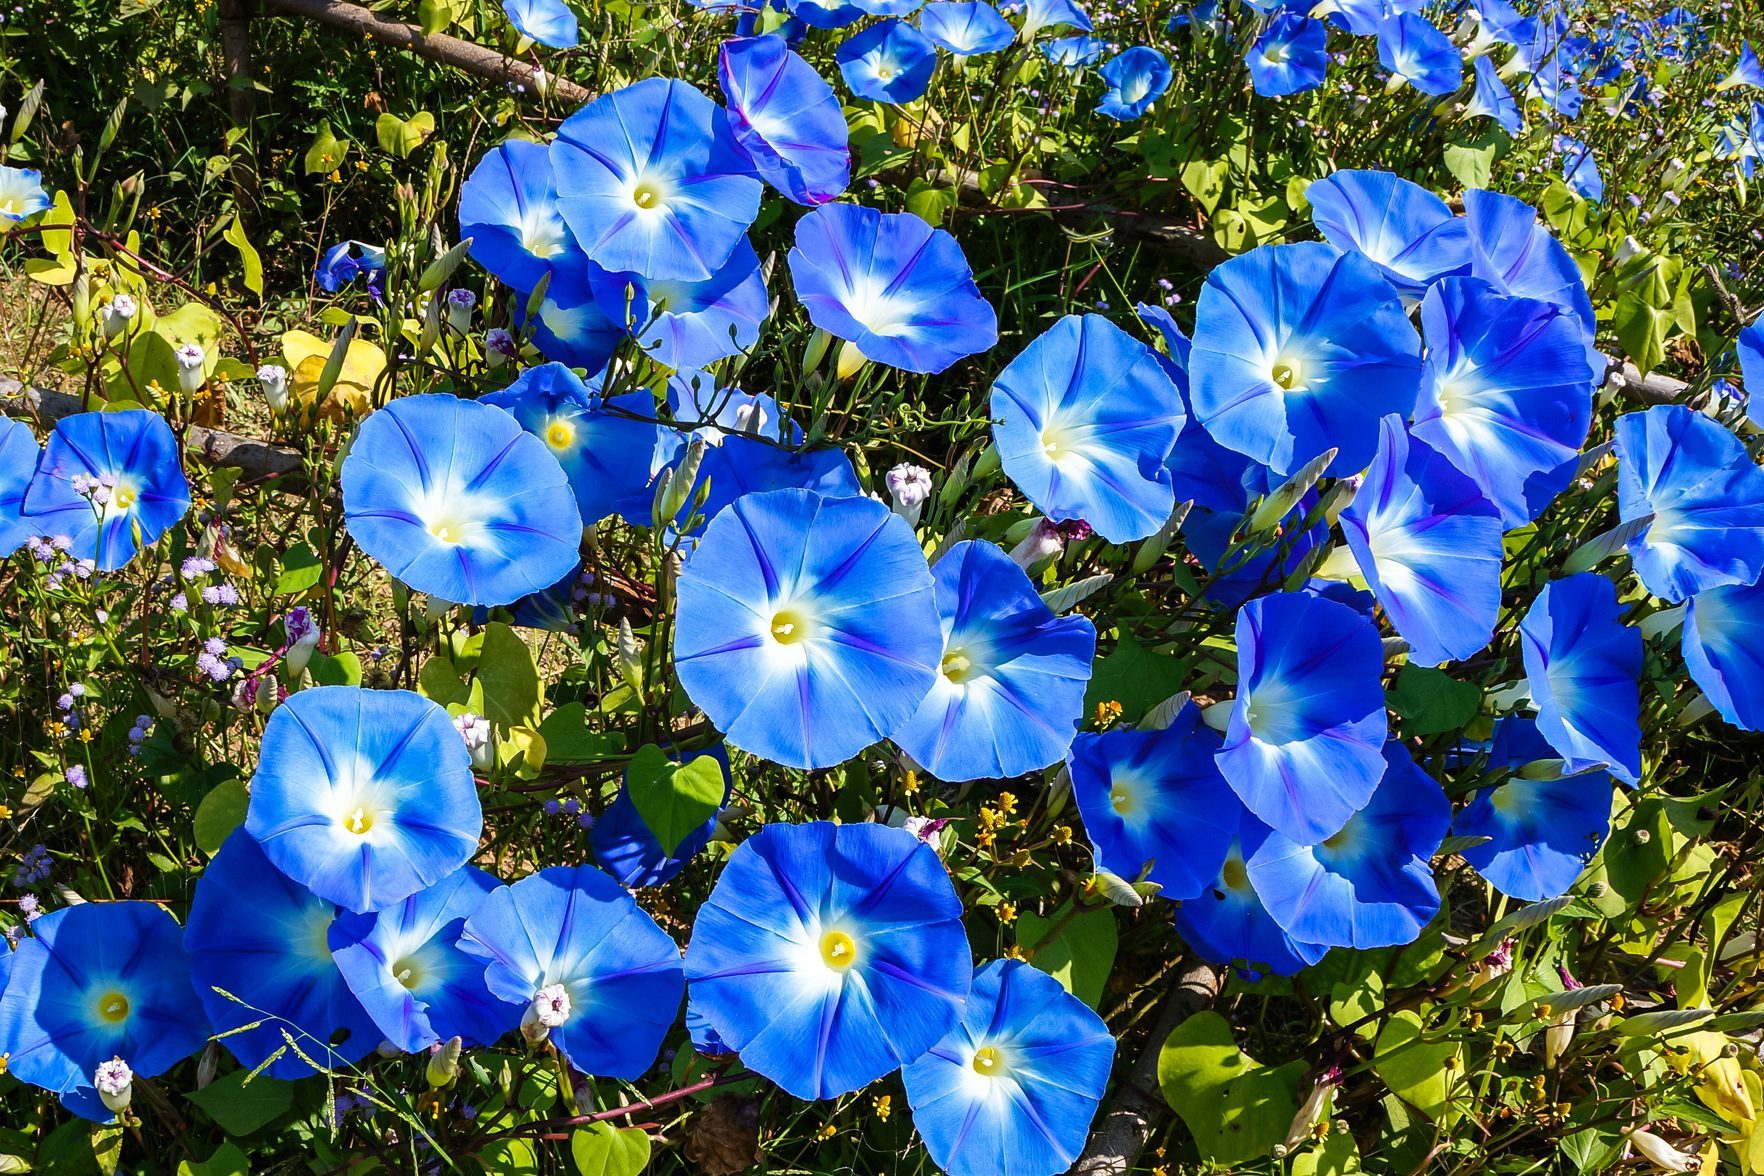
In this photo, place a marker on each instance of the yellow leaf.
(351, 395)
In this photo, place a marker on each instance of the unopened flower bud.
(459, 309)
(499, 347)
(116, 314)
(908, 488)
(273, 379)
(1039, 547)
(550, 1008)
(1662, 1154)
(443, 1068)
(475, 730)
(115, 1083)
(303, 637)
(191, 357)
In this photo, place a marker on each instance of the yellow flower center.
(789, 626)
(559, 434)
(646, 195)
(957, 666)
(113, 1007)
(988, 1062)
(359, 821)
(1235, 874)
(1286, 374)
(838, 950)
(408, 973)
(122, 498)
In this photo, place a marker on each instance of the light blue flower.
(1492, 99)
(1582, 664)
(890, 61)
(508, 208)
(1416, 52)
(1289, 57)
(1136, 79)
(1052, 14)
(1401, 227)
(1747, 71)
(787, 118)
(1750, 346)
(1517, 255)
(21, 195)
(549, 22)
(691, 324)
(1227, 923)
(112, 482)
(1074, 52)
(966, 27)
(1544, 828)
(1724, 650)
(1580, 168)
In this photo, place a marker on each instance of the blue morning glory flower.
(549, 22)
(1580, 169)
(606, 446)
(1304, 744)
(966, 28)
(1543, 828)
(829, 955)
(570, 327)
(96, 981)
(1724, 650)
(1582, 664)
(508, 208)
(348, 260)
(21, 195)
(1401, 227)
(652, 182)
(1706, 496)
(1155, 804)
(825, 14)
(1416, 52)
(1049, 14)
(1011, 690)
(1746, 70)
(806, 627)
(691, 324)
(19, 453)
(104, 478)
(265, 939)
(886, 7)
(1136, 79)
(1492, 99)
(1227, 923)
(1509, 249)
(890, 61)
(576, 953)
(364, 796)
(787, 118)
(1084, 418)
(740, 466)
(1506, 392)
(1553, 84)
(898, 289)
(1239, 572)
(1371, 884)
(1290, 57)
(625, 847)
(1074, 52)
(1429, 544)
(1750, 346)
(1299, 349)
(1012, 1089)
(405, 965)
(458, 501)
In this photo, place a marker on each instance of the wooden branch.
(1122, 1134)
(1652, 388)
(464, 55)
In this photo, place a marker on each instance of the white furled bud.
(1040, 546)
(191, 357)
(116, 314)
(459, 309)
(115, 1083)
(475, 730)
(908, 488)
(273, 379)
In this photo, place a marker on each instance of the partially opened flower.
(1052, 14)
(1724, 650)
(1075, 52)
(110, 481)
(1136, 79)
(691, 324)
(787, 118)
(1371, 884)
(966, 27)
(1582, 664)
(458, 501)
(890, 61)
(1429, 544)
(21, 195)
(1154, 803)
(1543, 828)
(1227, 923)
(348, 260)
(98, 981)
(1506, 392)
(652, 181)
(607, 447)
(508, 208)
(1511, 250)
(898, 289)
(1290, 57)
(1299, 349)
(549, 22)
(576, 932)
(364, 796)
(1401, 227)
(1580, 169)
(1304, 748)
(626, 847)
(1084, 420)
(405, 965)
(1705, 496)
(1416, 52)
(18, 461)
(1012, 1089)
(1747, 71)
(1011, 688)
(1492, 99)
(829, 955)
(806, 628)
(263, 941)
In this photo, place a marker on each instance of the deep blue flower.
(1084, 418)
(1511, 250)
(1012, 1090)
(508, 207)
(652, 181)
(1227, 923)
(104, 478)
(1492, 99)
(19, 453)
(1155, 804)
(348, 260)
(1747, 71)
(787, 118)
(549, 22)
(741, 466)
(886, 7)
(1304, 745)
(1428, 542)
(458, 501)
(1049, 14)
(1239, 571)
(364, 796)
(1074, 52)
(265, 940)
(1299, 349)
(1290, 57)
(98, 981)
(1401, 227)
(1705, 495)
(829, 955)
(626, 848)
(898, 289)
(1543, 828)
(1724, 651)
(1136, 79)
(607, 447)
(405, 965)
(1417, 53)
(890, 61)
(1554, 85)
(570, 327)
(1580, 168)
(1582, 664)
(1011, 690)
(1750, 346)
(966, 27)
(825, 14)
(1371, 884)
(577, 930)
(691, 324)
(1506, 392)
(806, 627)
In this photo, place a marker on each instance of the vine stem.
(541, 1126)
